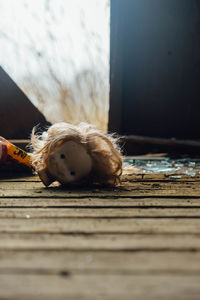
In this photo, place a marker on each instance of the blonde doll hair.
(103, 149)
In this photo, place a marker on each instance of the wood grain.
(99, 286)
(128, 242)
(99, 242)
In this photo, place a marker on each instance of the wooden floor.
(140, 241)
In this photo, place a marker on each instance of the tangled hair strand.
(103, 149)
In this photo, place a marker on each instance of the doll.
(78, 154)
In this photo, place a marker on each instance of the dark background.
(155, 68)
(18, 115)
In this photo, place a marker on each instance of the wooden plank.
(99, 286)
(69, 238)
(131, 180)
(101, 225)
(51, 193)
(136, 191)
(4, 185)
(20, 178)
(137, 175)
(122, 212)
(167, 177)
(99, 242)
(97, 262)
(90, 202)
(128, 184)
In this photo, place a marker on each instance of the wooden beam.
(17, 114)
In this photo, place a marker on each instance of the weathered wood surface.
(100, 242)
(140, 241)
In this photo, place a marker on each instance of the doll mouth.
(79, 182)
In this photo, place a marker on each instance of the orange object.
(8, 149)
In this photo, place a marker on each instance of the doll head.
(73, 154)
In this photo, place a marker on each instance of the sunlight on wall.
(57, 51)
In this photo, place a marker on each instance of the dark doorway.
(155, 68)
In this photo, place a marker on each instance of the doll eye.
(72, 173)
(62, 156)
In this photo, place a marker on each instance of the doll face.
(69, 162)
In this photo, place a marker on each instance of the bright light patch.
(50, 46)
